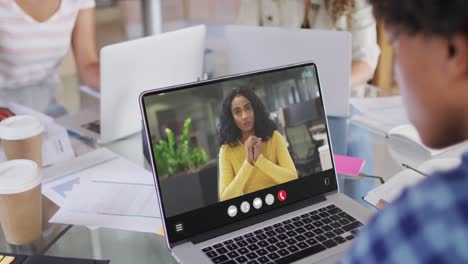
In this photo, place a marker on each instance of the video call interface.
(223, 140)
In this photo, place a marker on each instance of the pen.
(413, 169)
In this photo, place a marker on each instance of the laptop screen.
(232, 148)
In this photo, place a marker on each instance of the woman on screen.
(253, 155)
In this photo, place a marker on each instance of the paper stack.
(391, 190)
(102, 189)
(387, 116)
(380, 114)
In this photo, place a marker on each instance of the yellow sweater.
(238, 177)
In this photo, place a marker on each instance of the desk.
(133, 247)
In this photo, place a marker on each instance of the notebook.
(387, 116)
(391, 190)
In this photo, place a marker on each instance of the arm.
(361, 72)
(230, 184)
(84, 48)
(285, 170)
(365, 50)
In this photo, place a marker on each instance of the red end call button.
(282, 195)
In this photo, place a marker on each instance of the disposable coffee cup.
(20, 201)
(21, 137)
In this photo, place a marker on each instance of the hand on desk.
(5, 113)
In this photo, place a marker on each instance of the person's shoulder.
(76, 5)
(81, 4)
(226, 148)
(276, 136)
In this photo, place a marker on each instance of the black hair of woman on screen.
(230, 133)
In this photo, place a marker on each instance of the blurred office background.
(121, 20)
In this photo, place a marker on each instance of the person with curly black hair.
(428, 223)
(253, 155)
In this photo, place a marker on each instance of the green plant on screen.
(173, 157)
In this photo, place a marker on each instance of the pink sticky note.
(348, 165)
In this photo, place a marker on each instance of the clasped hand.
(253, 148)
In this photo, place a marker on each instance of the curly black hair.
(434, 17)
(229, 132)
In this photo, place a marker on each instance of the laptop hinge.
(256, 219)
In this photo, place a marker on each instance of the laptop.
(294, 214)
(130, 67)
(255, 48)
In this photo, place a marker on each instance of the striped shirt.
(31, 51)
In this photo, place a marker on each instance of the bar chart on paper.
(102, 189)
(124, 206)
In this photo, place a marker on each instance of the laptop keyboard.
(289, 240)
(94, 126)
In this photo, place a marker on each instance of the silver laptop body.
(130, 67)
(252, 48)
(207, 232)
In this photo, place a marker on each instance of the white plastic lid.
(18, 176)
(20, 127)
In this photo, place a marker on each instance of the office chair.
(303, 149)
(299, 118)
